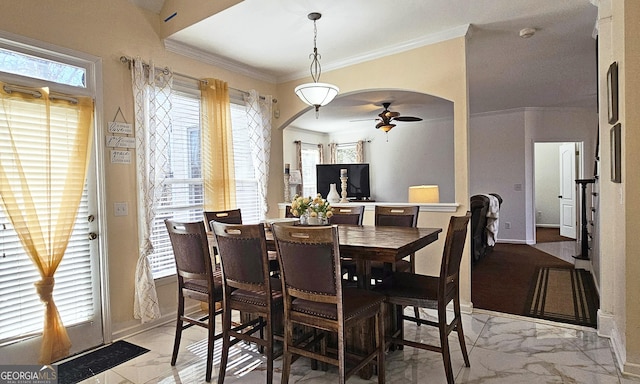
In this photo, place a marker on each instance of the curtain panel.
(360, 151)
(42, 216)
(217, 146)
(259, 124)
(152, 107)
(333, 153)
(298, 144)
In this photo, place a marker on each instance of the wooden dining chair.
(287, 211)
(321, 302)
(197, 280)
(435, 292)
(348, 215)
(229, 216)
(249, 288)
(392, 216)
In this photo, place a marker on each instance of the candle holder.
(287, 188)
(344, 189)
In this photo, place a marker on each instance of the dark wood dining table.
(367, 243)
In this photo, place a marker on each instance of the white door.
(77, 292)
(567, 195)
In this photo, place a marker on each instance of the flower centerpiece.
(316, 211)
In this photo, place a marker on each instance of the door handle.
(93, 235)
(560, 197)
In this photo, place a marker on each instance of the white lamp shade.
(316, 94)
(424, 194)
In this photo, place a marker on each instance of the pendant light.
(316, 94)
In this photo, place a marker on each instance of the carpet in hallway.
(563, 294)
(550, 235)
(501, 281)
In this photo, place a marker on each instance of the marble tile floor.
(502, 349)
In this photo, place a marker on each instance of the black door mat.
(100, 360)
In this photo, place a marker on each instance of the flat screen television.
(358, 187)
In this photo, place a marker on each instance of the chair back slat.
(396, 216)
(347, 215)
(230, 216)
(243, 252)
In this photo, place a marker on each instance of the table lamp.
(424, 194)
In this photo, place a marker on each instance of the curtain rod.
(352, 142)
(37, 94)
(166, 70)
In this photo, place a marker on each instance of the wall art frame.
(616, 161)
(612, 93)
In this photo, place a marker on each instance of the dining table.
(365, 244)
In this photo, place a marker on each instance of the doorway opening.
(556, 167)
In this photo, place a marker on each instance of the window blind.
(182, 190)
(246, 183)
(183, 197)
(21, 311)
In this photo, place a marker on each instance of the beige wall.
(630, 119)
(438, 69)
(109, 29)
(619, 316)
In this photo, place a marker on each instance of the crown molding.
(429, 39)
(215, 60)
(238, 67)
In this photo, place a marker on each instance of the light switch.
(121, 209)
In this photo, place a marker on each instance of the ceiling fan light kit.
(386, 117)
(316, 94)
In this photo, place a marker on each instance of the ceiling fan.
(387, 117)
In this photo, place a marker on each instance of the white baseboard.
(140, 327)
(548, 225)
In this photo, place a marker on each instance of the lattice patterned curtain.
(333, 153)
(44, 142)
(321, 153)
(152, 107)
(360, 151)
(259, 123)
(217, 146)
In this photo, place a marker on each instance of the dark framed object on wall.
(614, 133)
(612, 93)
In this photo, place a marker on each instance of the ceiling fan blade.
(407, 118)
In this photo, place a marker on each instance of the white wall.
(501, 158)
(547, 180)
(410, 154)
(496, 157)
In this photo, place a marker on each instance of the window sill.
(165, 280)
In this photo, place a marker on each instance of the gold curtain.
(217, 146)
(55, 136)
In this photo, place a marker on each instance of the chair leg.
(400, 325)
(460, 332)
(341, 356)
(226, 343)
(412, 260)
(286, 355)
(444, 344)
(211, 340)
(176, 341)
(380, 344)
(269, 349)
